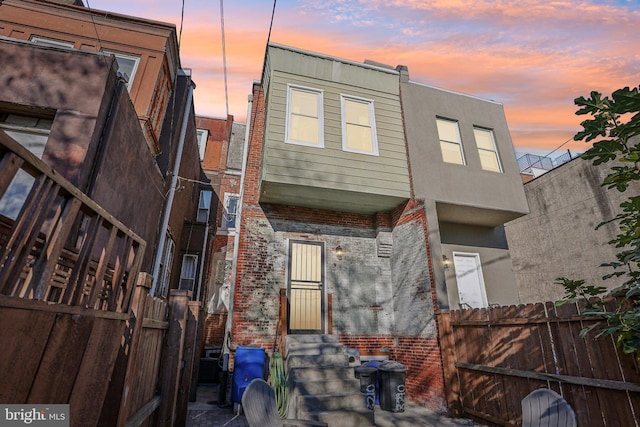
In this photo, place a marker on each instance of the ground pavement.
(205, 412)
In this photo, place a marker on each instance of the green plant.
(615, 127)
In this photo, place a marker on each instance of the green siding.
(286, 166)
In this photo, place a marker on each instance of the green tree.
(615, 127)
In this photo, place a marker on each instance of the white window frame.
(320, 96)
(494, 149)
(188, 279)
(166, 265)
(202, 208)
(224, 229)
(45, 41)
(202, 135)
(136, 60)
(458, 142)
(372, 124)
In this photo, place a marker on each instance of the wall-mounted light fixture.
(339, 252)
(446, 263)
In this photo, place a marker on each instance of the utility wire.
(181, 22)
(224, 57)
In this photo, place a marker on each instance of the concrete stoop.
(322, 385)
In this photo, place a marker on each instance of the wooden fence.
(494, 357)
(70, 333)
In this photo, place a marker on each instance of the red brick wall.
(421, 356)
(214, 329)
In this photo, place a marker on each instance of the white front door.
(469, 277)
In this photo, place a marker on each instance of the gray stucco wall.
(558, 238)
(499, 195)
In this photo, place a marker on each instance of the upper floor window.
(358, 125)
(44, 41)
(127, 66)
(202, 134)
(304, 117)
(230, 212)
(32, 133)
(188, 271)
(203, 206)
(166, 264)
(489, 159)
(450, 141)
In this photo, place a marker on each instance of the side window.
(165, 266)
(203, 134)
(230, 211)
(489, 159)
(32, 133)
(304, 121)
(204, 205)
(127, 66)
(358, 126)
(450, 141)
(188, 271)
(45, 41)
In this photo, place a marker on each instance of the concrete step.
(306, 373)
(298, 349)
(316, 360)
(312, 339)
(350, 418)
(325, 387)
(308, 404)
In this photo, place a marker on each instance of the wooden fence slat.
(93, 378)
(24, 337)
(451, 384)
(61, 360)
(10, 163)
(189, 359)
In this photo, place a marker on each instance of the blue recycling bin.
(249, 364)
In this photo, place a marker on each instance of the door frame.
(480, 275)
(323, 291)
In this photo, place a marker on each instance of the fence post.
(172, 356)
(117, 406)
(451, 385)
(189, 357)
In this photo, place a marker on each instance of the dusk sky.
(532, 56)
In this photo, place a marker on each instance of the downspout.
(236, 238)
(172, 189)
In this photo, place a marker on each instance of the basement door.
(306, 291)
(470, 281)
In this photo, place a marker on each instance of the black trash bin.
(368, 376)
(392, 388)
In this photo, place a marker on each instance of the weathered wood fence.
(69, 331)
(494, 357)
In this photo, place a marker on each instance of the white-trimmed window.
(305, 119)
(358, 125)
(230, 212)
(166, 263)
(204, 205)
(32, 133)
(127, 66)
(489, 159)
(44, 41)
(202, 134)
(188, 271)
(450, 141)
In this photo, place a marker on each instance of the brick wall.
(214, 329)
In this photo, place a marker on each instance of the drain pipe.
(236, 238)
(172, 189)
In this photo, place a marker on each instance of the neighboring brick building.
(106, 98)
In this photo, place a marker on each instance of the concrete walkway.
(205, 412)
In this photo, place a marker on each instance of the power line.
(224, 57)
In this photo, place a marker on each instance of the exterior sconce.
(446, 263)
(339, 252)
